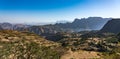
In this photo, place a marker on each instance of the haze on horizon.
(38, 11)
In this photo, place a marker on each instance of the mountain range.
(91, 23)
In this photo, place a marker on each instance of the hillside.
(112, 26)
(91, 46)
(24, 45)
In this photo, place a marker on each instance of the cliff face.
(112, 26)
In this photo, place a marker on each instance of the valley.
(56, 42)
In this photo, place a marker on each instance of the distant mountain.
(1, 28)
(91, 23)
(43, 29)
(112, 26)
(50, 31)
(6, 25)
(20, 27)
(62, 21)
(9, 26)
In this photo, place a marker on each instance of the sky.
(48, 11)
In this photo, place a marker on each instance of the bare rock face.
(112, 26)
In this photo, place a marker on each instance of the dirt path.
(80, 55)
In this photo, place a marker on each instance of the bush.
(112, 40)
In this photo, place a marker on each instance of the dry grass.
(81, 55)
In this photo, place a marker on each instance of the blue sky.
(20, 11)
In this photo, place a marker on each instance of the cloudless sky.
(20, 11)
